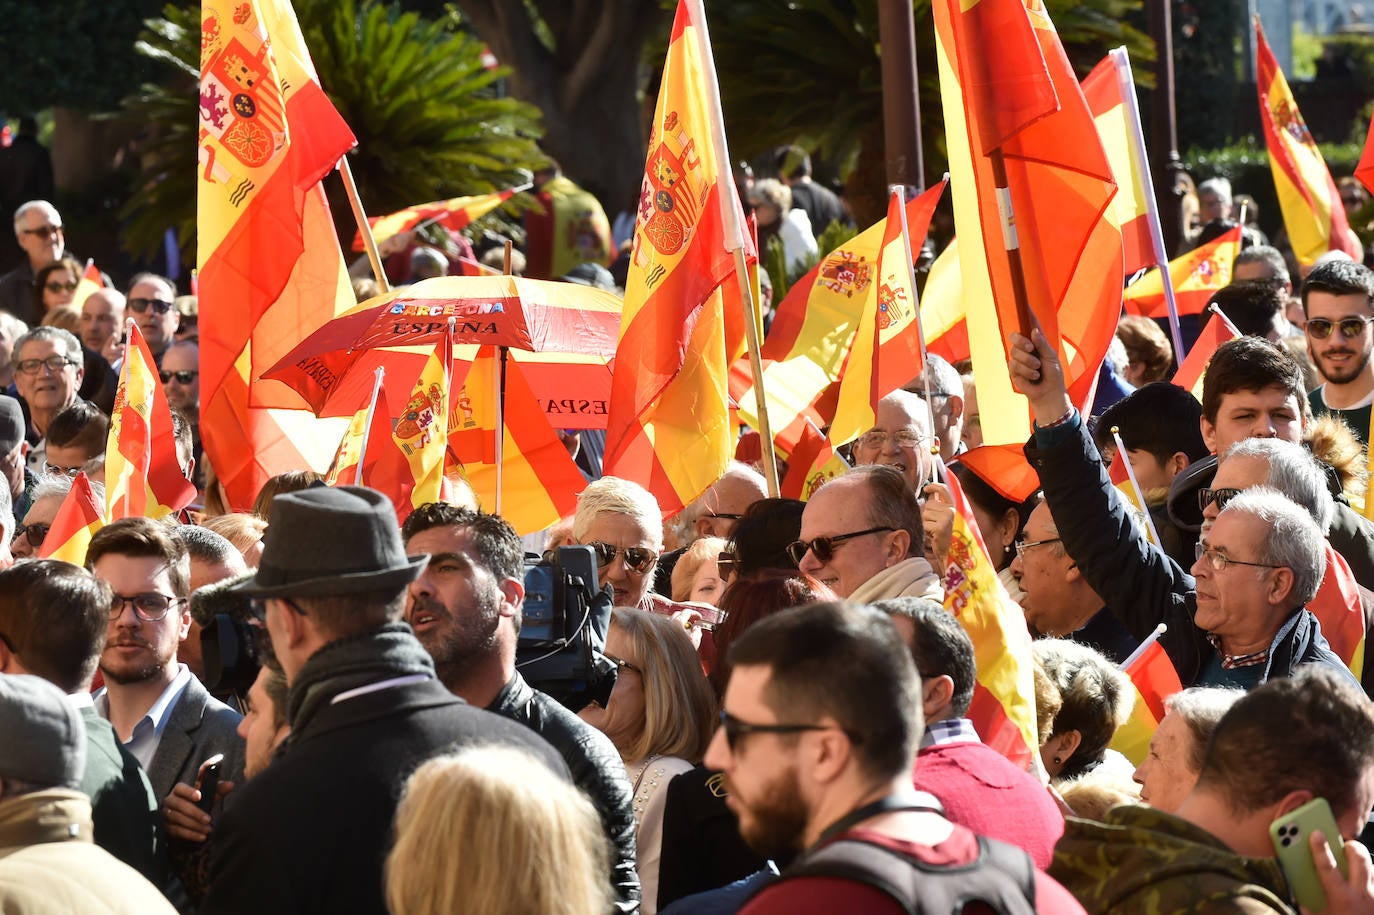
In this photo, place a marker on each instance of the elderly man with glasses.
(47, 373)
(160, 711)
(152, 305)
(38, 229)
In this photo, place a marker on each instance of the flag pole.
(1144, 646)
(1122, 62)
(1135, 484)
(734, 241)
(1011, 243)
(920, 331)
(364, 228)
(367, 423)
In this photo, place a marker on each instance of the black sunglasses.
(181, 377)
(823, 548)
(1206, 497)
(727, 563)
(1320, 328)
(59, 286)
(141, 305)
(734, 729)
(637, 558)
(33, 533)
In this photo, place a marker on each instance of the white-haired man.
(38, 230)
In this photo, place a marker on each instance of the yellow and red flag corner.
(91, 281)
(1154, 678)
(1194, 368)
(77, 519)
(812, 464)
(143, 473)
(457, 213)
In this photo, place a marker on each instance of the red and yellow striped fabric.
(1195, 275)
(421, 430)
(77, 519)
(1115, 122)
(1154, 678)
(457, 213)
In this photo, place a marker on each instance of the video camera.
(563, 633)
(233, 644)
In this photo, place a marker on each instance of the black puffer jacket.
(596, 768)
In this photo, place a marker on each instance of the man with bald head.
(724, 504)
(901, 437)
(102, 318)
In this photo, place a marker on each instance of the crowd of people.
(324, 706)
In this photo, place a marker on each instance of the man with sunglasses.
(819, 730)
(466, 608)
(152, 303)
(1338, 301)
(38, 229)
(160, 711)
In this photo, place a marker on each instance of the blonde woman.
(660, 716)
(696, 577)
(491, 830)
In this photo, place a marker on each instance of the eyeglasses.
(734, 729)
(181, 377)
(1219, 561)
(727, 516)
(823, 548)
(54, 364)
(1320, 328)
(904, 438)
(149, 606)
(621, 664)
(141, 305)
(43, 231)
(1023, 545)
(637, 558)
(59, 286)
(257, 606)
(1206, 497)
(53, 470)
(35, 534)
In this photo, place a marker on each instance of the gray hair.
(48, 332)
(24, 208)
(1200, 708)
(943, 379)
(1293, 472)
(1293, 541)
(1219, 186)
(773, 191)
(1268, 255)
(622, 497)
(59, 486)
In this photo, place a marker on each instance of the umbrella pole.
(500, 421)
(751, 333)
(356, 202)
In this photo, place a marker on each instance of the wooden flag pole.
(751, 335)
(1011, 245)
(367, 424)
(370, 243)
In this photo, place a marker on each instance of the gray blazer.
(198, 727)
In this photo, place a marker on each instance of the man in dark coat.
(310, 833)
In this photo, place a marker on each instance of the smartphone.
(1290, 834)
(207, 781)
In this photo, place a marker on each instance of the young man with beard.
(818, 738)
(159, 710)
(1338, 300)
(465, 608)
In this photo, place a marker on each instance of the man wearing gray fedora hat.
(310, 832)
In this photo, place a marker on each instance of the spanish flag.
(1032, 187)
(1337, 606)
(1195, 275)
(1003, 709)
(1154, 678)
(812, 463)
(143, 477)
(421, 430)
(944, 316)
(78, 518)
(383, 466)
(457, 213)
(669, 427)
(887, 351)
(90, 281)
(1118, 123)
(1194, 368)
(270, 266)
(1311, 205)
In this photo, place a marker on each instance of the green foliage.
(424, 109)
(1358, 49)
(75, 54)
(774, 260)
(1306, 49)
(1207, 55)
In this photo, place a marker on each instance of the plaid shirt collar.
(951, 730)
(1232, 661)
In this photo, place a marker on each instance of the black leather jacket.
(596, 768)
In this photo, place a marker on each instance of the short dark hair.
(891, 503)
(1249, 364)
(54, 615)
(1159, 418)
(847, 662)
(753, 596)
(1268, 255)
(82, 425)
(1251, 305)
(498, 545)
(793, 162)
(206, 545)
(759, 541)
(941, 647)
(143, 537)
(1339, 277)
(1253, 758)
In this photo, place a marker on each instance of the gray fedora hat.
(329, 540)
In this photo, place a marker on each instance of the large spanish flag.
(1114, 113)
(887, 348)
(457, 213)
(270, 266)
(143, 477)
(1154, 678)
(77, 519)
(1311, 205)
(1031, 186)
(1003, 709)
(668, 427)
(1195, 275)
